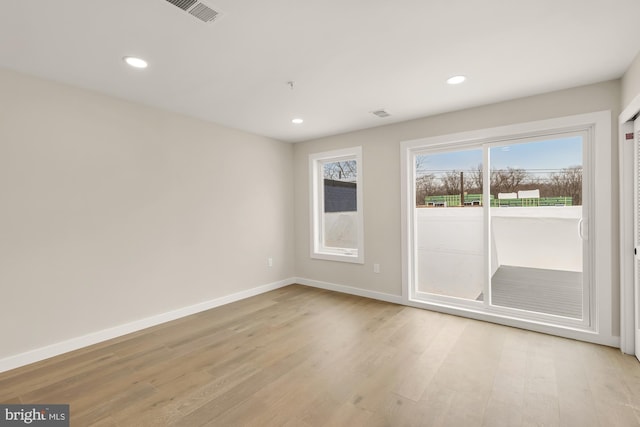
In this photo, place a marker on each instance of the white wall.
(631, 82)
(450, 251)
(381, 162)
(113, 212)
(544, 237)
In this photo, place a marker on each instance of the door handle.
(581, 229)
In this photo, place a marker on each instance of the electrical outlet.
(270, 262)
(376, 268)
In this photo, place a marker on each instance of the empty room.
(356, 213)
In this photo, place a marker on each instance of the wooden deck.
(543, 291)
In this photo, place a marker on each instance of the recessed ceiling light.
(456, 80)
(135, 62)
(381, 113)
(297, 121)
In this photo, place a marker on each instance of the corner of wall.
(631, 83)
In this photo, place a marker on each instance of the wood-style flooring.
(300, 356)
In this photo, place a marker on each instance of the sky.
(543, 155)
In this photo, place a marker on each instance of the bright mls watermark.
(34, 415)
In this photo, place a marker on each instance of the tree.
(451, 182)
(341, 171)
(567, 183)
(475, 180)
(420, 163)
(426, 185)
(507, 180)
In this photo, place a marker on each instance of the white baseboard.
(551, 330)
(56, 349)
(396, 299)
(529, 325)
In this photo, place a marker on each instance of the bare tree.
(426, 185)
(451, 182)
(474, 182)
(420, 162)
(341, 171)
(567, 183)
(507, 180)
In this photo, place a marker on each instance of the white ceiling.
(347, 57)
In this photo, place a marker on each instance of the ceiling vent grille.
(381, 113)
(196, 8)
(183, 4)
(203, 12)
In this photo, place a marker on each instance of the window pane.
(340, 204)
(450, 231)
(536, 222)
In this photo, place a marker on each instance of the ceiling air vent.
(196, 8)
(203, 13)
(183, 4)
(381, 113)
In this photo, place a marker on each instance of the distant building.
(339, 196)
(529, 194)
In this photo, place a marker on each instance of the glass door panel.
(537, 226)
(449, 224)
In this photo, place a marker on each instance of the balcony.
(536, 256)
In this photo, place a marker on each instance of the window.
(336, 205)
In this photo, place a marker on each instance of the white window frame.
(600, 329)
(316, 209)
(585, 321)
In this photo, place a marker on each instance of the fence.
(476, 200)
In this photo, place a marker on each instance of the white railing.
(451, 249)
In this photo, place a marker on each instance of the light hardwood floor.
(299, 356)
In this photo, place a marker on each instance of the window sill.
(351, 256)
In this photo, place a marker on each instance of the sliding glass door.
(537, 226)
(501, 226)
